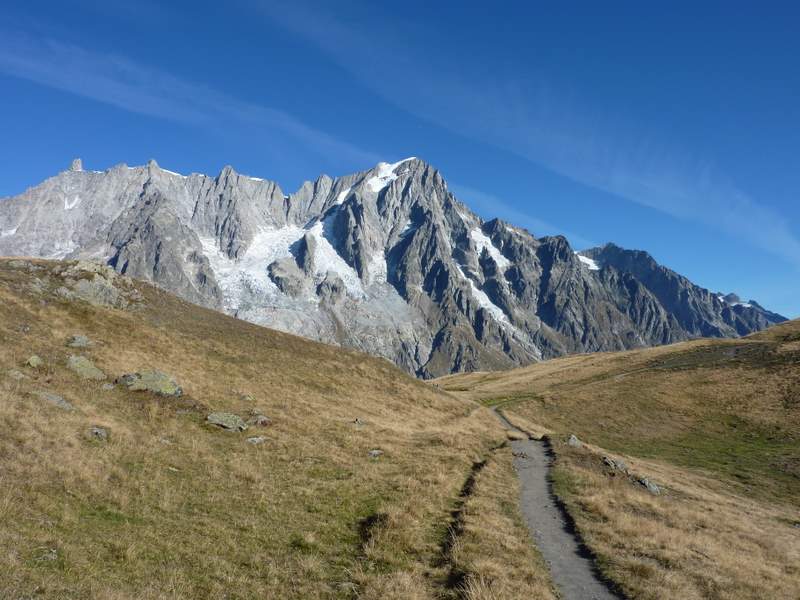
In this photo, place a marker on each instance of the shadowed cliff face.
(386, 260)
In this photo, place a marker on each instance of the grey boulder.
(227, 421)
(55, 400)
(155, 382)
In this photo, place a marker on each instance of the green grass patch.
(762, 459)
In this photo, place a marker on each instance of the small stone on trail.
(79, 341)
(55, 400)
(85, 368)
(574, 441)
(375, 453)
(227, 421)
(98, 433)
(34, 362)
(259, 439)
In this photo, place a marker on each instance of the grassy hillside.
(172, 506)
(715, 423)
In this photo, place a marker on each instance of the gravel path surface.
(571, 567)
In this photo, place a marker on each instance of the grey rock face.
(387, 261)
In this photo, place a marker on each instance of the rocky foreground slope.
(387, 261)
(156, 449)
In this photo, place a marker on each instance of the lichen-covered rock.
(34, 362)
(227, 421)
(85, 368)
(151, 381)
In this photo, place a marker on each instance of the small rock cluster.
(152, 381)
(618, 465)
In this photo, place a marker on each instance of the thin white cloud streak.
(491, 206)
(540, 125)
(128, 85)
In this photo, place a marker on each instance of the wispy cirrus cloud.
(137, 88)
(539, 124)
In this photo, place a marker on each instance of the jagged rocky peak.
(385, 260)
(76, 165)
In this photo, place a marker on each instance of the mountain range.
(387, 261)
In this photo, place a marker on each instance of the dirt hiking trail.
(571, 566)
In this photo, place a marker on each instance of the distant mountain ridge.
(386, 260)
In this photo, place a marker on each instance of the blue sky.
(674, 129)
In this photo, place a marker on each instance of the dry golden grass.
(170, 507)
(698, 540)
(492, 556)
(717, 422)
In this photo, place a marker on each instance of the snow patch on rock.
(591, 264)
(485, 302)
(483, 241)
(385, 175)
(326, 258)
(250, 271)
(342, 196)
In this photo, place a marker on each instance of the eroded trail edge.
(571, 565)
